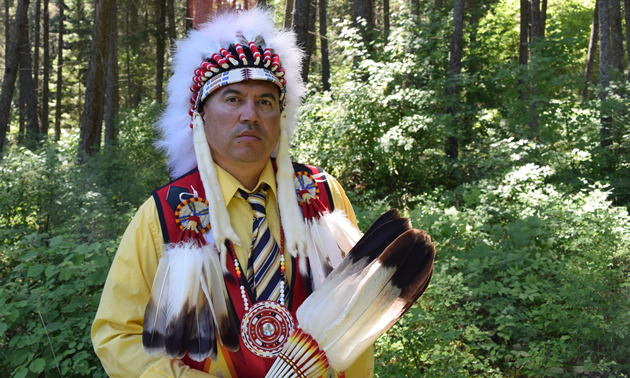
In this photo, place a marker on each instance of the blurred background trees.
(502, 127)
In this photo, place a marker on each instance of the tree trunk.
(11, 67)
(170, 13)
(604, 70)
(311, 41)
(523, 50)
(592, 48)
(301, 19)
(288, 14)
(99, 126)
(7, 35)
(22, 111)
(135, 92)
(414, 7)
(59, 93)
(160, 49)
(323, 44)
(616, 35)
(543, 17)
(626, 5)
(474, 10)
(202, 10)
(95, 82)
(112, 96)
(363, 9)
(385, 20)
(128, 59)
(46, 78)
(36, 44)
(536, 34)
(28, 88)
(188, 19)
(454, 70)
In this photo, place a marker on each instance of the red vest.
(245, 364)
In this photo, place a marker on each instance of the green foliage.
(49, 293)
(59, 227)
(528, 282)
(382, 127)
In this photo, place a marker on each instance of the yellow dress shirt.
(117, 328)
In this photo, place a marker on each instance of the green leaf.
(78, 259)
(37, 366)
(50, 270)
(35, 270)
(83, 249)
(28, 255)
(52, 327)
(56, 241)
(65, 274)
(3, 329)
(13, 315)
(21, 373)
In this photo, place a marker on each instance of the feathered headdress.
(232, 41)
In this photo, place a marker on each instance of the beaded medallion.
(266, 327)
(193, 207)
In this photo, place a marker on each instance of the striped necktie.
(263, 264)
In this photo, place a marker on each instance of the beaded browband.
(223, 68)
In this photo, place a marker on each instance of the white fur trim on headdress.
(292, 219)
(227, 28)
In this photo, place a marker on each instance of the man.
(233, 196)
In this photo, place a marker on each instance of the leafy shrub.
(528, 281)
(59, 227)
(49, 293)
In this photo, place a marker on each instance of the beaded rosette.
(266, 327)
(305, 184)
(191, 208)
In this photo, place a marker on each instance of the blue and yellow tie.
(263, 264)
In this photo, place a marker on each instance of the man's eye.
(232, 99)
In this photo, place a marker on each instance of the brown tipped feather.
(223, 309)
(389, 268)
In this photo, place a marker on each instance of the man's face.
(242, 123)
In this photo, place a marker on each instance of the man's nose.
(249, 112)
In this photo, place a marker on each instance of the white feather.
(358, 302)
(216, 292)
(328, 245)
(155, 314)
(292, 219)
(344, 232)
(318, 272)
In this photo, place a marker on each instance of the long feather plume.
(189, 305)
(320, 267)
(154, 323)
(223, 310)
(380, 279)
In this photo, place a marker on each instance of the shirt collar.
(229, 184)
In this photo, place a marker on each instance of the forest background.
(502, 127)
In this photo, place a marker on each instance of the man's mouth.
(248, 135)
